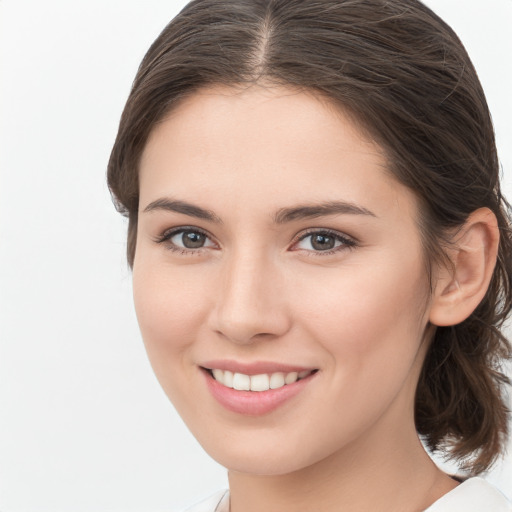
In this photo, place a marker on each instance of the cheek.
(371, 325)
(169, 310)
(370, 319)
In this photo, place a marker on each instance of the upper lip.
(253, 368)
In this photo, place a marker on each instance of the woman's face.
(273, 246)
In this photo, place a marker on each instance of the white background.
(84, 425)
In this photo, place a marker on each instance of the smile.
(259, 383)
(255, 389)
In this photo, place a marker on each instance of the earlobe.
(461, 286)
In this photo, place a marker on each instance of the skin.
(256, 292)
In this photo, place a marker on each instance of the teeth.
(262, 382)
(276, 380)
(228, 378)
(218, 374)
(291, 378)
(241, 382)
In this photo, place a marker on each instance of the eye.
(189, 239)
(186, 239)
(325, 241)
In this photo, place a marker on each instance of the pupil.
(322, 242)
(193, 240)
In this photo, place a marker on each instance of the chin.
(255, 459)
(260, 466)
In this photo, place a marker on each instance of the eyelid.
(167, 234)
(348, 242)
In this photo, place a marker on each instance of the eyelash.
(170, 233)
(347, 243)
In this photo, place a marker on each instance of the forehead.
(274, 144)
(255, 109)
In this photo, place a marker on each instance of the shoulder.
(219, 502)
(473, 495)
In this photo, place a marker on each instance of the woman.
(321, 253)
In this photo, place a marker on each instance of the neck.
(396, 475)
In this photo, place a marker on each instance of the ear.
(460, 287)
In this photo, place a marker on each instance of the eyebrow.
(282, 216)
(319, 210)
(189, 209)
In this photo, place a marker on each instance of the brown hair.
(405, 76)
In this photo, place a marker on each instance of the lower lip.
(254, 403)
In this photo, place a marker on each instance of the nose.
(250, 303)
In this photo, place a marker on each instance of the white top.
(473, 495)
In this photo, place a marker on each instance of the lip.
(253, 368)
(254, 403)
